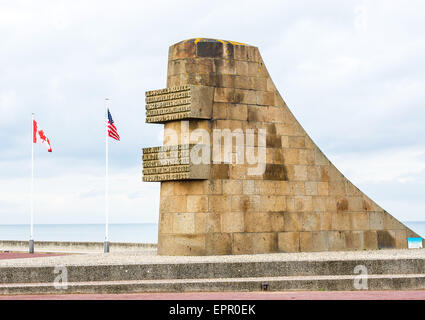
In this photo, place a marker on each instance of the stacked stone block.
(301, 202)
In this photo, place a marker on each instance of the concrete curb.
(74, 247)
(209, 270)
(324, 283)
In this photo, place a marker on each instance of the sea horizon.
(142, 232)
(82, 232)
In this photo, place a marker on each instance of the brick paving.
(22, 255)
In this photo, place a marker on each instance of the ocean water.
(131, 232)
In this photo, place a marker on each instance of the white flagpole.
(106, 243)
(31, 242)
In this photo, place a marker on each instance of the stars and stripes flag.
(112, 130)
(40, 136)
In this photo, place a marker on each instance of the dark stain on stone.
(205, 79)
(183, 50)
(254, 114)
(192, 79)
(278, 157)
(208, 79)
(273, 141)
(366, 205)
(209, 49)
(219, 82)
(342, 205)
(193, 125)
(239, 97)
(385, 240)
(220, 171)
(225, 82)
(219, 65)
(189, 236)
(246, 204)
(271, 128)
(324, 174)
(229, 51)
(275, 172)
(190, 65)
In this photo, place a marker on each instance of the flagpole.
(31, 242)
(106, 243)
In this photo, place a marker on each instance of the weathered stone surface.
(336, 240)
(341, 221)
(233, 222)
(376, 220)
(265, 242)
(310, 221)
(242, 243)
(359, 221)
(298, 201)
(314, 241)
(292, 221)
(179, 245)
(371, 240)
(197, 203)
(218, 243)
(288, 241)
(354, 240)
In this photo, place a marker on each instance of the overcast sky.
(352, 72)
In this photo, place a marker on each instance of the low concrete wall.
(213, 270)
(74, 247)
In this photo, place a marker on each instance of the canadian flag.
(40, 136)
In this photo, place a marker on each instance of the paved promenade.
(303, 295)
(150, 257)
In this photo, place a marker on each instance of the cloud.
(394, 178)
(397, 165)
(79, 197)
(352, 72)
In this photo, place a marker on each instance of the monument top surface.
(213, 48)
(197, 40)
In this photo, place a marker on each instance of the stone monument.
(238, 173)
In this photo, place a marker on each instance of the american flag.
(112, 130)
